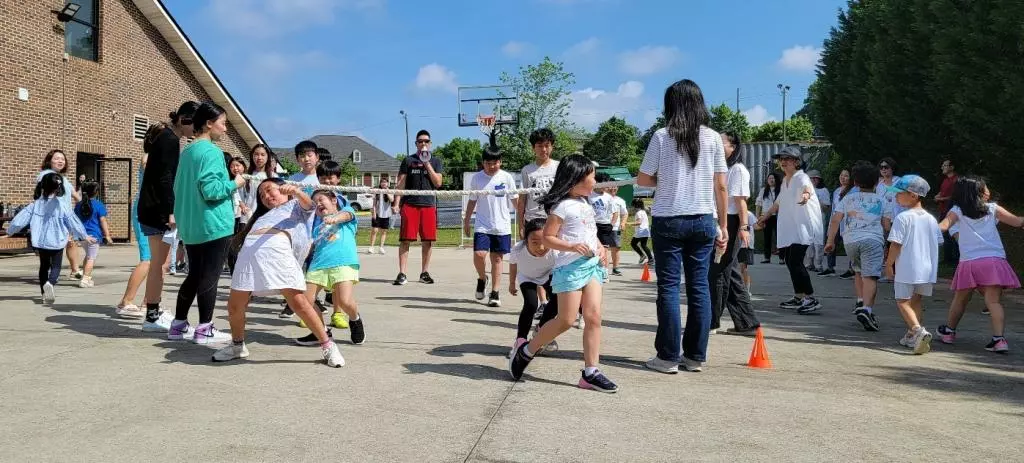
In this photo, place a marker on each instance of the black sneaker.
(517, 364)
(812, 269)
(867, 319)
(356, 328)
(540, 311)
(598, 382)
(320, 305)
(480, 285)
(311, 340)
(494, 300)
(857, 306)
(425, 278)
(616, 272)
(792, 303)
(400, 280)
(847, 275)
(826, 272)
(286, 312)
(808, 306)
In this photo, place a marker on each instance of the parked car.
(360, 201)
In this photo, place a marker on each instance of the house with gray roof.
(371, 163)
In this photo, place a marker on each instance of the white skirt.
(266, 265)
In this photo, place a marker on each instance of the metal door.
(115, 180)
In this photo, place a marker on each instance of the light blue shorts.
(575, 276)
(141, 240)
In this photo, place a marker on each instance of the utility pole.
(737, 100)
(406, 117)
(785, 92)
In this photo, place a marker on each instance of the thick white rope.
(438, 193)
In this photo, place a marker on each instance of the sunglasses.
(422, 140)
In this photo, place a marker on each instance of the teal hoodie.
(202, 194)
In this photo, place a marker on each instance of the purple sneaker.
(946, 334)
(180, 330)
(206, 334)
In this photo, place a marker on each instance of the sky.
(300, 68)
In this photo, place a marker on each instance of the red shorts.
(418, 219)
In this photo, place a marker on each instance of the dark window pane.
(87, 12)
(80, 40)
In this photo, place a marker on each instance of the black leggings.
(797, 272)
(232, 252)
(727, 287)
(530, 303)
(769, 237)
(205, 263)
(641, 243)
(49, 265)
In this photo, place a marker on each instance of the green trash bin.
(619, 173)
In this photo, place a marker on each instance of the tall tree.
(614, 143)
(724, 119)
(797, 129)
(460, 155)
(543, 91)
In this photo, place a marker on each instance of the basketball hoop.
(486, 123)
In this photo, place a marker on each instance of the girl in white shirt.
(642, 233)
(236, 167)
(764, 201)
(530, 267)
(983, 265)
(799, 227)
(580, 259)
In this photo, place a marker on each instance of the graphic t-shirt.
(918, 233)
(335, 245)
(417, 178)
(531, 268)
(493, 212)
(92, 222)
(578, 226)
(535, 176)
(603, 208)
(862, 216)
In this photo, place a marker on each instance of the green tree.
(645, 139)
(348, 172)
(289, 165)
(569, 141)
(615, 142)
(724, 119)
(543, 91)
(808, 111)
(797, 129)
(460, 155)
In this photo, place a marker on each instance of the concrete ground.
(430, 383)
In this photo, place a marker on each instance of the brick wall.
(79, 105)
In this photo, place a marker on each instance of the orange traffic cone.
(646, 275)
(759, 355)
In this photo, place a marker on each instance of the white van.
(360, 201)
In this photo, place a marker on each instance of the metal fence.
(758, 159)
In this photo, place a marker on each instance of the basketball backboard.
(499, 101)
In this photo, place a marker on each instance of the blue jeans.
(686, 242)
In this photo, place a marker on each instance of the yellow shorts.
(328, 277)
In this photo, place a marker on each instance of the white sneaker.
(580, 324)
(333, 356)
(380, 250)
(907, 340)
(182, 332)
(922, 341)
(161, 325)
(48, 295)
(231, 352)
(370, 250)
(130, 311)
(76, 275)
(209, 336)
(86, 282)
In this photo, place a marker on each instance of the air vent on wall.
(140, 124)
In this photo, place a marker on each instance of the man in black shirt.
(420, 171)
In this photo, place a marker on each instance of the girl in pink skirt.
(983, 266)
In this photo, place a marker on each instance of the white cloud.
(648, 60)
(758, 115)
(436, 77)
(800, 58)
(272, 18)
(590, 107)
(584, 48)
(273, 66)
(514, 49)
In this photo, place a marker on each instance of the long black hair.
(89, 190)
(154, 131)
(206, 112)
(737, 145)
(268, 168)
(969, 196)
(261, 210)
(532, 226)
(849, 185)
(571, 170)
(183, 116)
(51, 184)
(776, 189)
(685, 113)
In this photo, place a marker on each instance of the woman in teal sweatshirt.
(206, 221)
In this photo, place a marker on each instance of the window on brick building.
(82, 32)
(357, 156)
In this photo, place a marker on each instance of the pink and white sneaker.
(515, 346)
(180, 330)
(206, 334)
(946, 334)
(999, 346)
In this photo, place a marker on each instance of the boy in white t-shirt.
(492, 230)
(605, 214)
(913, 262)
(538, 174)
(619, 206)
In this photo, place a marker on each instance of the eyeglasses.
(422, 140)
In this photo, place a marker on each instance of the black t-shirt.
(417, 178)
(156, 198)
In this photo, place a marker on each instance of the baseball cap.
(813, 174)
(791, 151)
(911, 184)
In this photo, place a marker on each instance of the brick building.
(90, 85)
